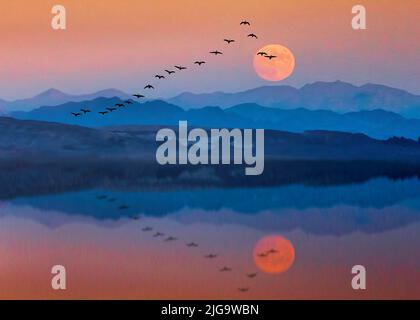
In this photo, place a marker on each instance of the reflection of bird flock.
(168, 72)
(170, 238)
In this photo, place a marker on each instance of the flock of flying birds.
(159, 234)
(191, 244)
(170, 72)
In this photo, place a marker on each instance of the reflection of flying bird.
(262, 255)
(225, 269)
(270, 57)
(210, 256)
(85, 110)
(243, 289)
(228, 41)
(192, 244)
(272, 251)
(128, 102)
(215, 52)
(252, 35)
(111, 109)
(199, 62)
(180, 67)
(243, 23)
(103, 112)
(169, 71)
(171, 239)
(158, 234)
(159, 76)
(138, 96)
(149, 86)
(261, 53)
(146, 229)
(135, 217)
(251, 275)
(119, 105)
(123, 207)
(76, 114)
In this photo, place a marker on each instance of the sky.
(123, 43)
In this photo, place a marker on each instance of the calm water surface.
(108, 254)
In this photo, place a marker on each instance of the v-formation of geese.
(192, 244)
(178, 68)
(158, 234)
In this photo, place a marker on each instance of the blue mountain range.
(335, 96)
(378, 124)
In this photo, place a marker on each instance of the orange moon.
(278, 68)
(274, 254)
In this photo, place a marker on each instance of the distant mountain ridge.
(334, 96)
(378, 124)
(54, 97)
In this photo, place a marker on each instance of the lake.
(215, 242)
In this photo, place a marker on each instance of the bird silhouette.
(170, 239)
(85, 110)
(192, 244)
(225, 269)
(228, 41)
(111, 109)
(158, 234)
(128, 102)
(261, 53)
(76, 114)
(215, 52)
(146, 229)
(123, 207)
(199, 62)
(135, 217)
(159, 76)
(251, 275)
(210, 256)
(180, 67)
(138, 96)
(272, 251)
(149, 86)
(252, 35)
(103, 112)
(243, 289)
(262, 255)
(119, 105)
(270, 57)
(169, 71)
(243, 23)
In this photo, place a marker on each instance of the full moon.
(274, 254)
(279, 67)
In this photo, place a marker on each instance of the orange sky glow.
(123, 43)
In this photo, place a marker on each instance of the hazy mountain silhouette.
(53, 97)
(376, 123)
(335, 96)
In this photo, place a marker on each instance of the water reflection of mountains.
(21, 178)
(376, 205)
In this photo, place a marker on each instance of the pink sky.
(124, 43)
